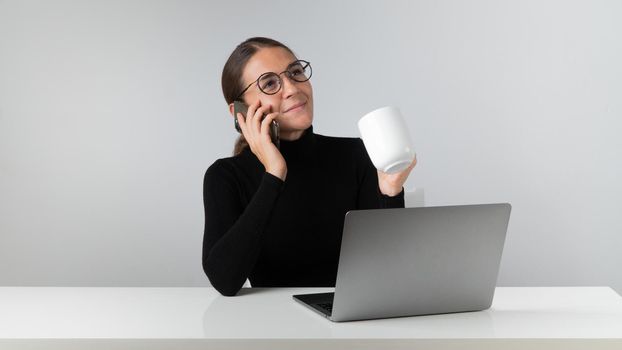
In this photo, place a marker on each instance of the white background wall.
(110, 112)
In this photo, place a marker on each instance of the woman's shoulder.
(228, 167)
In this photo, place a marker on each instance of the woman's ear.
(231, 109)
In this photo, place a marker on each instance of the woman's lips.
(296, 108)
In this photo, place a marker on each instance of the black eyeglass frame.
(305, 64)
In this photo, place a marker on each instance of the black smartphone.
(241, 107)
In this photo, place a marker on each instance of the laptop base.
(321, 303)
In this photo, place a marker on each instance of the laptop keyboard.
(326, 306)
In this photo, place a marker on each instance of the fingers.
(254, 116)
(255, 127)
(265, 123)
(252, 110)
(257, 118)
(413, 163)
(253, 107)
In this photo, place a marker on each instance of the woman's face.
(293, 120)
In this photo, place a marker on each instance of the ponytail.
(240, 145)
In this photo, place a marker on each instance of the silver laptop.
(415, 261)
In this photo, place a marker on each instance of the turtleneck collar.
(299, 149)
(294, 150)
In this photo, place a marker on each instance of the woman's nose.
(289, 86)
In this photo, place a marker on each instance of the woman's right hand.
(257, 133)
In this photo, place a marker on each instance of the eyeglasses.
(270, 83)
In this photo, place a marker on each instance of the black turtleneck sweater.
(285, 233)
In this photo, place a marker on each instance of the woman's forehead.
(268, 59)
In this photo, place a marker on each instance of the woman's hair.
(232, 84)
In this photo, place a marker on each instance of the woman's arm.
(370, 196)
(233, 234)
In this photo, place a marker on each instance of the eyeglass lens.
(270, 83)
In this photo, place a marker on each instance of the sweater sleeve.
(233, 234)
(370, 196)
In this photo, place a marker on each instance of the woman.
(275, 215)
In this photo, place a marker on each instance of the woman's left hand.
(391, 184)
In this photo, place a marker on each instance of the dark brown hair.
(232, 84)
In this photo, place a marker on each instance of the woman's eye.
(268, 84)
(296, 70)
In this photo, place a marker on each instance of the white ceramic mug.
(387, 139)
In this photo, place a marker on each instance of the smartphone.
(241, 107)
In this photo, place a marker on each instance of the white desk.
(199, 318)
